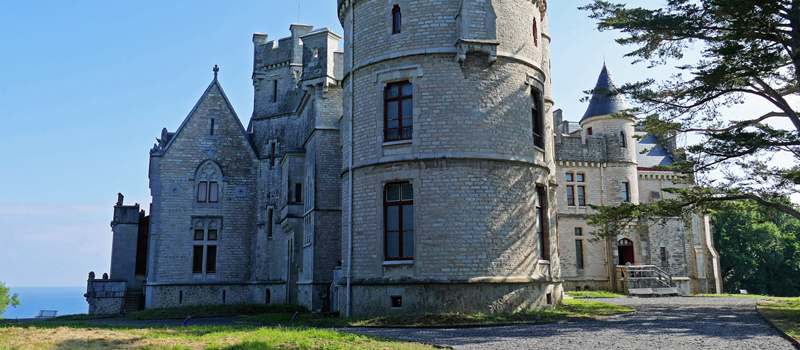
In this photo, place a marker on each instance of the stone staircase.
(134, 301)
(647, 280)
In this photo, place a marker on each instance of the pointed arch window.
(397, 19)
(622, 139)
(208, 179)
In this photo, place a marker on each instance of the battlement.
(284, 51)
(572, 148)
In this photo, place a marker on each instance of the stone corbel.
(258, 79)
(466, 46)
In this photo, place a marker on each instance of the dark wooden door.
(625, 247)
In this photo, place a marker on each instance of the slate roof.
(601, 104)
(656, 155)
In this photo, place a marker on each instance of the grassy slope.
(784, 313)
(570, 309)
(86, 336)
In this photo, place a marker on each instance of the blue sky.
(88, 85)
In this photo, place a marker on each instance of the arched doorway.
(625, 247)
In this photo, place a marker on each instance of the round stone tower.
(447, 143)
(602, 120)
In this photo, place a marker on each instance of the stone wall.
(212, 294)
(105, 296)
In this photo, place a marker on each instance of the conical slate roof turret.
(601, 103)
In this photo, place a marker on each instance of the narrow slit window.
(211, 128)
(582, 195)
(274, 91)
(298, 193)
(541, 224)
(622, 139)
(269, 222)
(535, 33)
(579, 253)
(537, 124)
(397, 19)
(626, 192)
(272, 154)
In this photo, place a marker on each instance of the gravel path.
(659, 323)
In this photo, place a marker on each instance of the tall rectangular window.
(537, 122)
(197, 261)
(626, 192)
(272, 154)
(571, 195)
(211, 127)
(204, 250)
(398, 111)
(398, 210)
(579, 253)
(582, 195)
(541, 224)
(663, 254)
(274, 91)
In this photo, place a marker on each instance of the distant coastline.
(66, 300)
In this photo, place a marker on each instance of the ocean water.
(66, 300)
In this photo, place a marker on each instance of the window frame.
(622, 142)
(400, 99)
(578, 231)
(581, 195)
(401, 203)
(580, 263)
(204, 258)
(571, 196)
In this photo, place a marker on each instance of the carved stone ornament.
(105, 275)
(91, 275)
(210, 152)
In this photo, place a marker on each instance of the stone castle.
(421, 169)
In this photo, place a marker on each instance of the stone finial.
(105, 275)
(91, 275)
(216, 70)
(120, 197)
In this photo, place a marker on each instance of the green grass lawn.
(86, 336)
(595, 294)
(568, 310)
(783, 312)
(195, 311)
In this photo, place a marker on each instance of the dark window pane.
(408, 192)
(408, 244)
(391, 91)
(569, 177)
(198, 235)
(393, 218)
(408, 108)
(578, 231)
(392, 193)
(407, 133)
(408, 89)
(393, 244)
(393, 124)
(539, 223)
(211, 259)
(202, 191)
(392, 134)
(197, 261)
(580, 177)
(579, 253)
(408, 217)
(391, 110)
(212, 235)
(213, 192)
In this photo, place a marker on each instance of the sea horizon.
(67, 300)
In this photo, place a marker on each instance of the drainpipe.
(350, 166)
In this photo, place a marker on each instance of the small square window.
(579, 231)
(397, 301)
(212, 235)
(198, 235)
(580, 177)
(570, 177)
